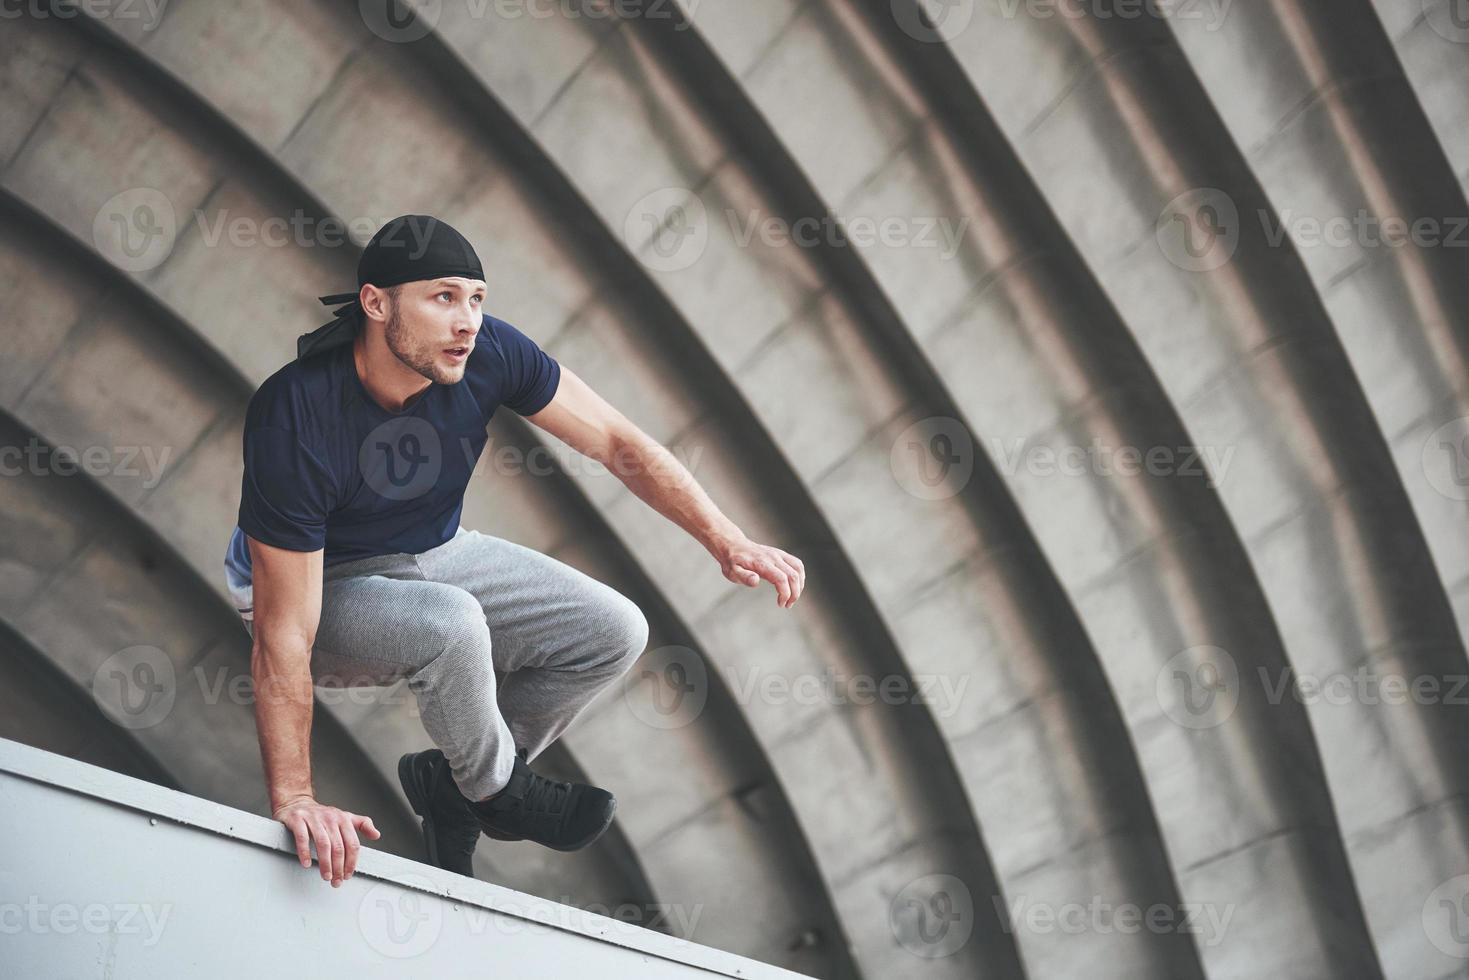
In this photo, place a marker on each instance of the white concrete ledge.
(109, 876)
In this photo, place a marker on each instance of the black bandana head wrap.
(408, 248)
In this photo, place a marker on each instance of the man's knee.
(455, 620)
(627, 631)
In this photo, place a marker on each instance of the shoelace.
(546, 795)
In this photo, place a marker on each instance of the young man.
(349, 565)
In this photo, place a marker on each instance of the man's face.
(432, 325)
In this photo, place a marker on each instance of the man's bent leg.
(560, 636)
(381, 621)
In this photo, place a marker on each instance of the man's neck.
(390, 382)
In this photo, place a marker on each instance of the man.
(349, 565)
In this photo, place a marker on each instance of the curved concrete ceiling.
(47, 709)
(732, 807)
(1065, 765)
(1245, 343)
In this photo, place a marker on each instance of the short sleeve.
(286, 492)
(531, 375)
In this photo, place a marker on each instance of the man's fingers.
(798, 578)
(323, 848)
(800, 569)
(303, 841)
(323, 838)
(740, 575)
(365, 825)
(352, 845)
(773, 568)
(783, 570)
(779, 577)
(339, 851)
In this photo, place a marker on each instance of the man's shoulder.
(295, 397)
(487, 360)
(501, 343)
(491, 333)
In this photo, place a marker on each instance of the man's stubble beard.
(425, 362)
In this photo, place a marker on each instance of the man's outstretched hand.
(746, 563)
(335, 834)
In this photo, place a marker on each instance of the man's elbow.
(625, 451)
(277, 647)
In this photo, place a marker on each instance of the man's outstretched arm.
(287, 594)
(582, 419)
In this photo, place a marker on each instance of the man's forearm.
(283, 706)
(663, 483)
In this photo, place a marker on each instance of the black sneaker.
(450, 828)
(561, 815)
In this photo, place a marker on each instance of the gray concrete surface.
(1081, 260)
(147, 865)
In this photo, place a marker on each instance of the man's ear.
(376, 302)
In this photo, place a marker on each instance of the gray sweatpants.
(502, 646)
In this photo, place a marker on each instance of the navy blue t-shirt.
(327, 467)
